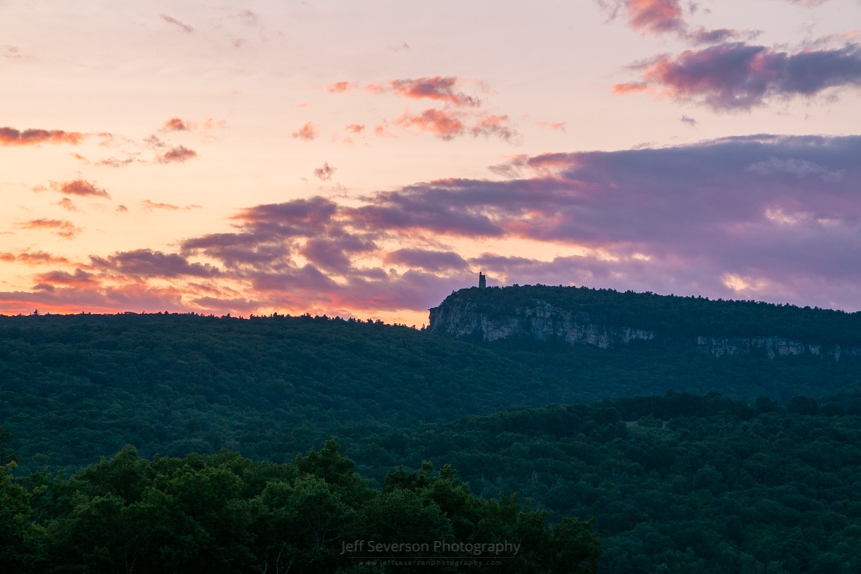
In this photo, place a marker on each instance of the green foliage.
(225, 513)
(679, 483)
(73, 388)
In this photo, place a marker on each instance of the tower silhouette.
(482, 280)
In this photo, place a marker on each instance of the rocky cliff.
(463, 317)
(541, 321)
(770, 347)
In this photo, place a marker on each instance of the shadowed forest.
(146, 440)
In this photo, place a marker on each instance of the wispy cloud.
(307, 132)
(33, 258)
(12, 137)
(150, 205)
(63, 228)
(171, 20)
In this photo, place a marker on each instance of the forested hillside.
(687, 461)
(74, 388)
(680, 483)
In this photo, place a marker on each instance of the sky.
(366, 159)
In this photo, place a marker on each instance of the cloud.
(33, 258)
(11, 52)
(176, 125)
(175, 22)
(150, 205)
(687, 120)
(721, 35)
(659, 17)
(177, 154)
(655, 16)
(771, 217)
(61, 227)
(324, 173)
(557, 126)
(80, 279)
(114, 162)
(67, 204)
(149, 263)
(442, 123)
(449, 124)
(341, 87)
(432, 261)
(355, 128)
(434, 88)
(79, 187)
(307, 132)
(737, 76)
(12, 137)
(796, 167)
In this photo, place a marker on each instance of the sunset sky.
(365, 159)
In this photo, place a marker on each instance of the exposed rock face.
(541, 322)
(770, 347)
(544, 322)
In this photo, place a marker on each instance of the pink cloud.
(442, 123)
(434, 88)
(63, 228)
(67, 204)
(12, 137)
(490, 124)
(307, 132)
(737, 76)
(324, 173)
(557, 126)
(355, 128)
(341, 87)
(175, 22)
(81, 188)
(655, 16)
(33, 258)
(176, 125)
(178, 154)
(150, 205)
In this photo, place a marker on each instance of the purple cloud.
(737, 76)
(771, 217)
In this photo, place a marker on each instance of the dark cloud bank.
(770, 217)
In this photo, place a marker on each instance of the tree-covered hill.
(679, 483)
(672, 317)
(74, 388)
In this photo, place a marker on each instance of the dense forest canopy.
(686, 462)
(225, 513)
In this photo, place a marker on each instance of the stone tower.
(482, 280)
